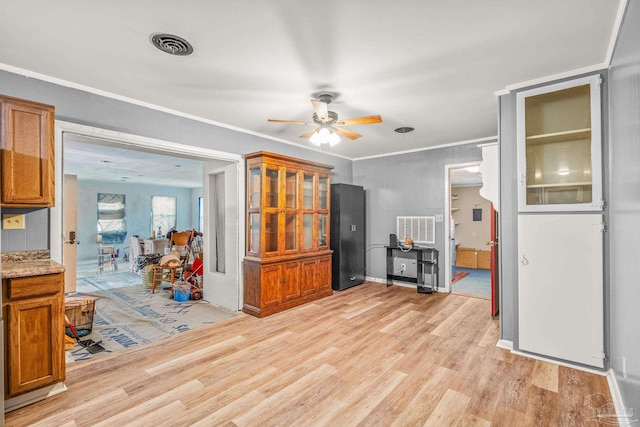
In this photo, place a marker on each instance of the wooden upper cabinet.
(27, 153)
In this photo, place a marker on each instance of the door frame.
(126, 140)
(447, 218)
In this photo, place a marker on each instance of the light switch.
(13, 221)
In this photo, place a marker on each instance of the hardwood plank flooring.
(370, 356)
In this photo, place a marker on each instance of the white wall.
(137, 211)
(469, 233)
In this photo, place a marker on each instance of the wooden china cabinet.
(288, 260)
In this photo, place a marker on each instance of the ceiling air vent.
(404, 129)
(171, 44)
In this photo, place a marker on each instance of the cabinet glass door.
(323, 191)
(307, 191)
(270, 232)
(291, 189)
(271, 187)
(559, 147)
(307, 231)
(254, 232)
(290, 232)
(322, 230)
(254, 188)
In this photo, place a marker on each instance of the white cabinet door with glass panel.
(559, 147)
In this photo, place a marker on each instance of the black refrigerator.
(347, 235)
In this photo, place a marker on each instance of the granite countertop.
(28, 263)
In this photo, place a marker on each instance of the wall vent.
(421, 229)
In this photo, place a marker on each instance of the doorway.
(232, 168)
(469, 257)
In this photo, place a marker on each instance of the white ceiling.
(92, 159)
(432, 65)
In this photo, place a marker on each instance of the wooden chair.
(179, 242)
(106, 259)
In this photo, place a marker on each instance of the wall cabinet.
(559, 147)
(347, 235)
(27, 152)
(33, 309)
(288, 211)
(560, 226)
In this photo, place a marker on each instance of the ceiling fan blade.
(289, 122)
(360, 121)
(308, 134)
(321, 110)
(347, 133)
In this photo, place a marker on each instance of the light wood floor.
(371, 356)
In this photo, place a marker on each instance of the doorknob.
(72, 238)
(490, 243)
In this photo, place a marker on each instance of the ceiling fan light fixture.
(324, 136)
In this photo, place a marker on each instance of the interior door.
(560, 287)
(221, 234)
(69, 230)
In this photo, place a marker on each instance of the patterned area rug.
(133, 316)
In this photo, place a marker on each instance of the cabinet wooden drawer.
(33, 286)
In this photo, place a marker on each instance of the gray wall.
(624, 202)
(34, 236)
(76, 106)
(137, 211)
(405, 185)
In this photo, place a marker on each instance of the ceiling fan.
(328, 126)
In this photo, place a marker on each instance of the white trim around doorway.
(447, 219)
(126, 140)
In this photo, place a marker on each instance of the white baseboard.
(506, 344)
(560, 363)
(33, 396)
(624, 414)
(396, 283)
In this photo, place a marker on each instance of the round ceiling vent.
(404, 129)
(171, 44)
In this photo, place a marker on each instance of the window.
(163, 214)
(112, 226)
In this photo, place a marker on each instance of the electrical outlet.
(13, 221)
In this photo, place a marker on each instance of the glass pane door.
(323, 191)
(254, 188)
(559, 147)
(322, 230)
(307, 191)
(290, 232)
(271, 232)
(291, 188)
(558, 140)
(254, 233)
(271, 187)
(307, 231)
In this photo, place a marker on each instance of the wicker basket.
(80, 313)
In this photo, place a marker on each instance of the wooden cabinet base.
(33, 311)
(258, 312)
(276, 286)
